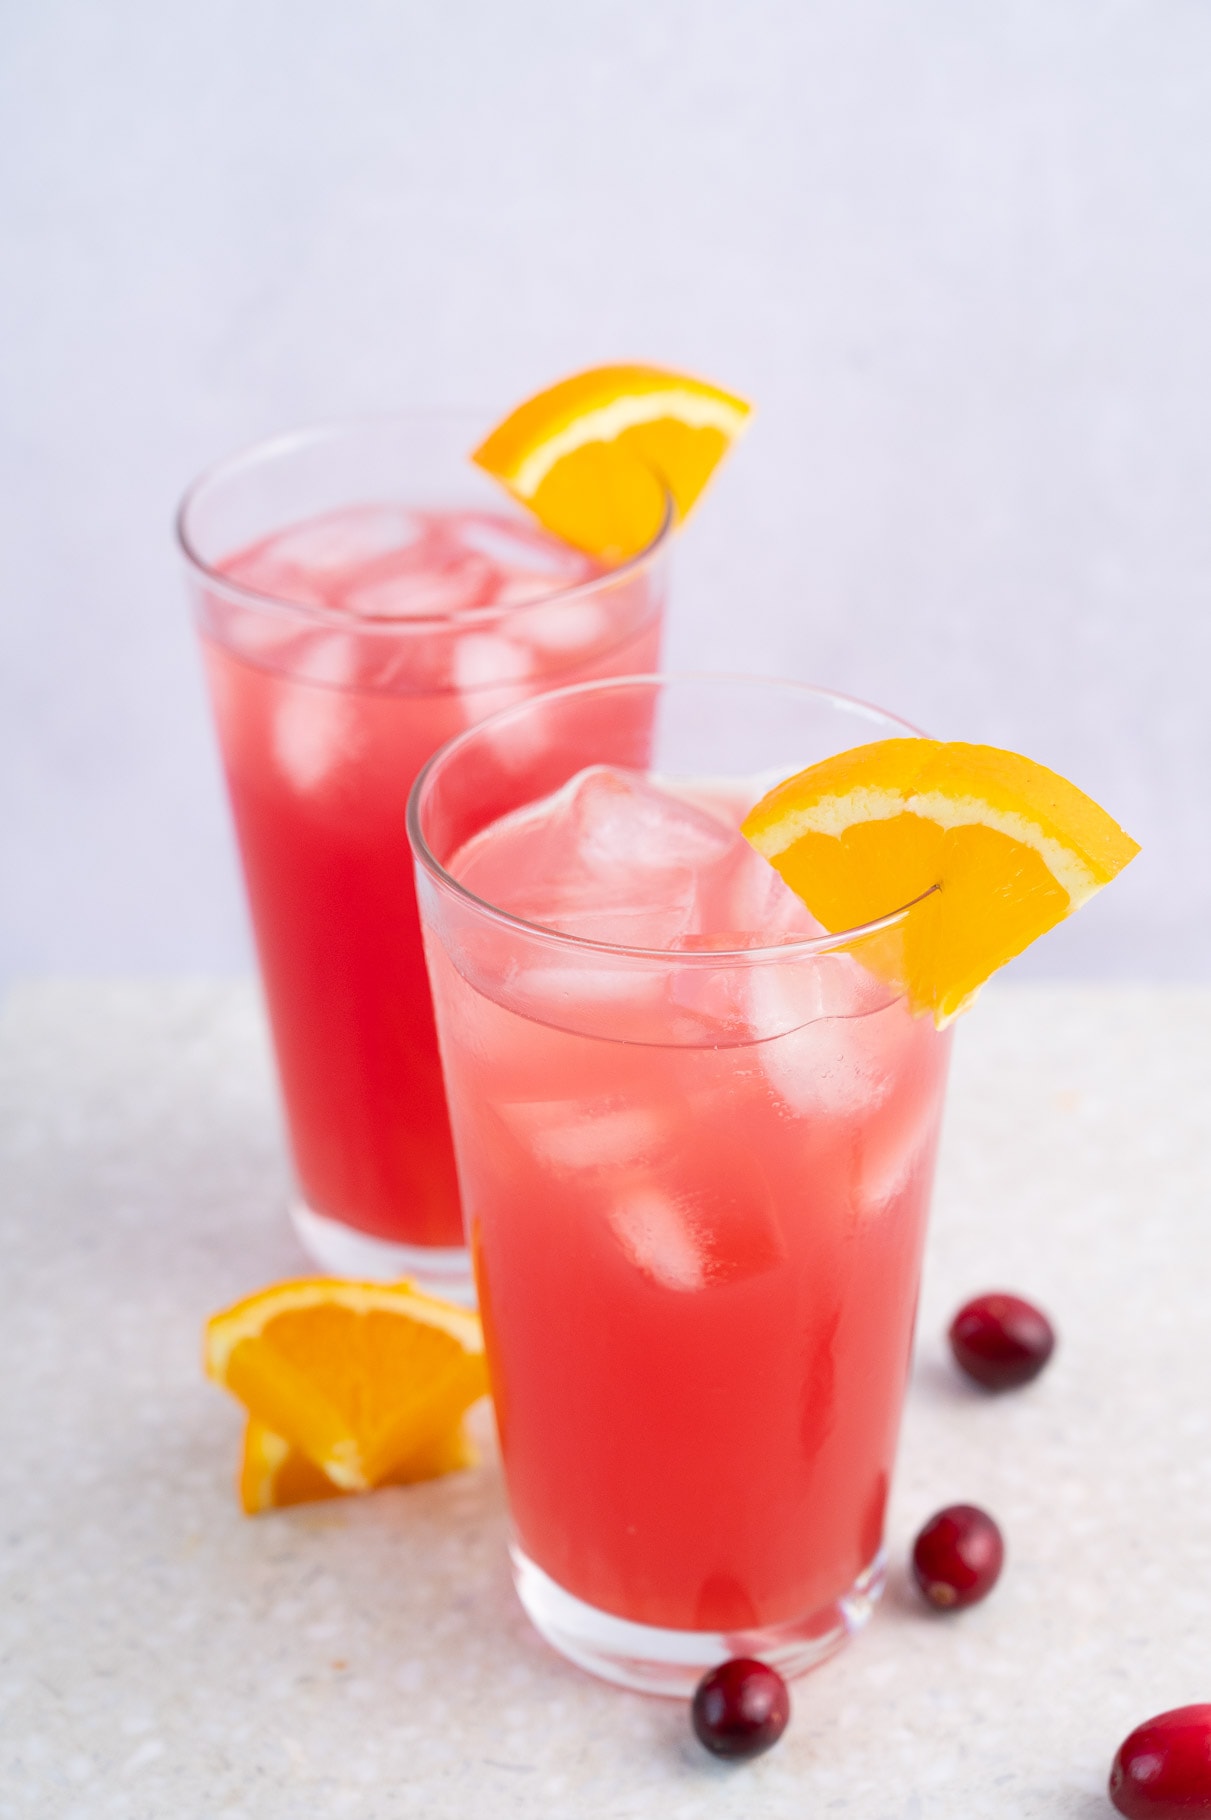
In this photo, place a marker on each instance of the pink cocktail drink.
(344, 642)
(696, 1142)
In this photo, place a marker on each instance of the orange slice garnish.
(599, 457)
(996, 849)
(275, 1475)
(362, 1379)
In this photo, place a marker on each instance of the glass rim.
(253, 455)
(714, 958)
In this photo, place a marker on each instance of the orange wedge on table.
(274, 1475)
(347, 1386)
(989, 849)
(599, 457)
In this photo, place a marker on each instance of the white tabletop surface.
(163, 1657)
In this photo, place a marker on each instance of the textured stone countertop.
(164, 1658)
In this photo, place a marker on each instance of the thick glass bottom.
(343, 1251)
(656, 1661)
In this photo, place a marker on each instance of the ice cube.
(483, 660)
(742, 904)
(606, 858)
(571, 1135)
(268, 640)
(316, 730)
(830, 1064)
(658, 1237)
(895, 1144)
(890, 1152)
(492, 674)
(715, 999)
(330, 658)
(716, 1228)
(337, 542)
(420, 590)
(515, 1050)
(522, 588)
(312, 736)
(820, 1069)
(569, 992)
(746, 895)
(558, 627)
(281, 583)
(306, 562)
(518, 549)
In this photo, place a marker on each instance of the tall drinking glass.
(362, 593)
(696, 1171)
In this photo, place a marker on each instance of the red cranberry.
(1001, 1341)
(957, 1557)
(740, 1708)
(1163, 1770)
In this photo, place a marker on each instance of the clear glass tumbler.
(362, 593)
(696, 1186)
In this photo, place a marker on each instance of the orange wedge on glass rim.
(367, 1381)
(275, 1475)
(599, 457)
(989, 849)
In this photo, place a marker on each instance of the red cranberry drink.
(696, 1142)
(361, 598)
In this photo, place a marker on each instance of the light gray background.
(959, 253)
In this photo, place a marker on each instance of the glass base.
(343, 1251)
(655, 1661)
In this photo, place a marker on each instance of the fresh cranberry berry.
(1163, 1770)
(740, 1708)
(957, 1557)
(1001, 1341)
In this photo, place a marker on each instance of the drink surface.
(412, 626)
(696, 1195)
(393, 562)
